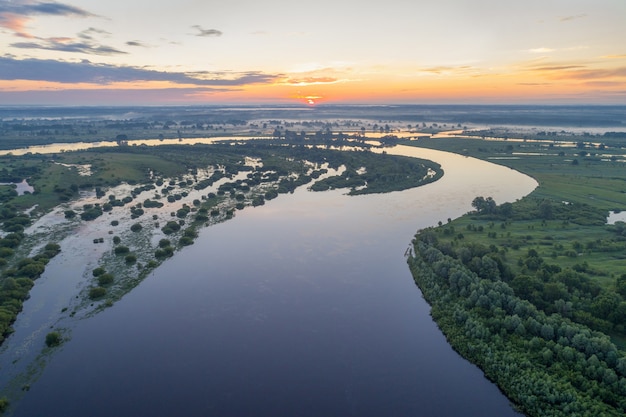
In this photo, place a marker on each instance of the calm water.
(302, 307)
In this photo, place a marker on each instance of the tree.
(484, 205)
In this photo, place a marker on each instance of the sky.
(153, 52)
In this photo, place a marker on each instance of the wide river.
(302, 307)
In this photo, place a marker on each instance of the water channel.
(302, 307)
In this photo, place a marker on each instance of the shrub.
(53, 339)
(121, 250)
(136, 227)
(105, 279)
(98, 271)
(171, 227)
(97, 292)
(186, 241)
(130, 259)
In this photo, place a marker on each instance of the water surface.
(302, 307)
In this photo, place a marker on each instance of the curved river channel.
(302, 307)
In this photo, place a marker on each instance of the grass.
(593, 181)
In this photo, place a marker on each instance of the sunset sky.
(94, 52)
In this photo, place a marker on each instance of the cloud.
(111, 96)
(15, 14)
(540, 50)
(206, 32)
(312, 80)
(557, 68)
(579, 72)
(594, 74)
(68, 45)
(88, 34)
(574, 17)
(618, 56)
(102, 74)
(137, 44)
(447, 70)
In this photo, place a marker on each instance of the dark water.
(302, 307)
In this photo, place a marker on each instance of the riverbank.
(532, 292)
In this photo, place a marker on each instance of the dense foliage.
(17, 281)
(536, 327)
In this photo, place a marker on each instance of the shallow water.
(302, 307)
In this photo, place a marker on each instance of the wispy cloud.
(578, 72)
(549, 68)
(88, 72)
(137, 44)
(573, 17)
(206, 32)
(111, 96)
(541, 50)
(15, 14)
(448, 70)
(312, 81)
(594, 74)
(89, 34)
(618, 56)
(68, 45)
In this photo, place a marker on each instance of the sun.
(311, 100)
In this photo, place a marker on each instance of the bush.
(116, 240)
(53, 339)
(130, 259)
(121, 250)
(186, 241)
(105, 279)
(115, 223)
(171, 227)
(136, 227)
(97, 292)
(98, 271)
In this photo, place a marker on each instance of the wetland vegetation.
(166, 196)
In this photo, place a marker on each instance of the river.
(302, 307)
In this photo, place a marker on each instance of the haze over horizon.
(85, 52)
